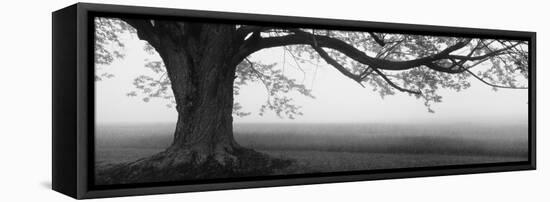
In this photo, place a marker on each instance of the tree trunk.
(202, 75)
(201, 70)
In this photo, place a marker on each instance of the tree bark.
(202, 72)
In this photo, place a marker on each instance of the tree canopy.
(417, 65)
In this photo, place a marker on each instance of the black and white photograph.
(183, 101)
(275, 101)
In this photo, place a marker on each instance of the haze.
(338, 99)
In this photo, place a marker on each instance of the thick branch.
(243, 31)
(305, 38)
(319, 42)
(357, 78)
(145, 30)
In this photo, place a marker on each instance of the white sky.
(338, 99)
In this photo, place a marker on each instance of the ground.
(336, 147)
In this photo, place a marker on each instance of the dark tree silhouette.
(203, 66)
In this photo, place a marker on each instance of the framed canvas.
(156, 100)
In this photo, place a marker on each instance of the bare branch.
(258, 73)
(393, 84)
(366, 73)
(377, 39)
(493, 85)
(296, 61)
(482, 80)
(491, 54)
(337, 65)
(387, 51)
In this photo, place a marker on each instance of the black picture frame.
(73, 103)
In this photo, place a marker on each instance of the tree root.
(190, 164)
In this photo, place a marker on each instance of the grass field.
(339, 147)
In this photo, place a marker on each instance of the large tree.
(203, 66)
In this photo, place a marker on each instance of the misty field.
(338, 147)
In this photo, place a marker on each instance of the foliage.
(108, 45)
(419, 65)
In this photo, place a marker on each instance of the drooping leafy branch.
(424, 63)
